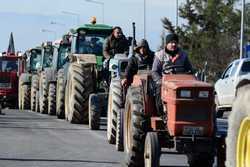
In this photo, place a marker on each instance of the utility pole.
(242, 30)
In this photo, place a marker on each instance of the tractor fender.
(240, 84)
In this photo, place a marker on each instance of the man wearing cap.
(170, 55)
(143, 59)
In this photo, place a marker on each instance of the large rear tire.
(25, 97)
(152, 151)
(114, 106)
(79, 86)
(237, 141)
(37, 107)
(60, 93)
(34, 89)
(94, 112)
(135, 127)
(43, 93)
(52, 99)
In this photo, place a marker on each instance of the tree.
(211, 34)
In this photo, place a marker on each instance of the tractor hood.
(183, 81)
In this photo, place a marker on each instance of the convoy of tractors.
(66, 78)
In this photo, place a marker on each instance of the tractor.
(40, 81)
(31, 59)
(61, 64)
(11, 67)
(50, 75)
(85, 84)
(186, 122)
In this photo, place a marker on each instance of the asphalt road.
(31, 139)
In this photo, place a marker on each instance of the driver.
(170, 55)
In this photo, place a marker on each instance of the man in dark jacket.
(170, 55)
(143, 59)
(115, 43)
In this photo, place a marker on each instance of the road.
(29, 139)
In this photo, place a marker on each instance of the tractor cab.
(89, 39)
(61, 51)
(47, 55)
(33, 59)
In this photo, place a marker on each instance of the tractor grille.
(190, 113)
(5, 82)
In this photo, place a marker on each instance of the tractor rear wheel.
(37, 107)
(114, 105)
(60, 92)
(135, 127)
(44, 91)
(52, 99)
(238, 136)
(119, 131)
(152, 151)
(79, 86)
(25, 97)
(94, 112)
(34, 89)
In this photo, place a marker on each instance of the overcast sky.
(26, 18)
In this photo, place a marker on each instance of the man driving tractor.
(170, 55)
(143, 59)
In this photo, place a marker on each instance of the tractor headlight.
(203, 94)
(185, 93)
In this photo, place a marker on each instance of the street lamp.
(73, 14)
(99, 3)
(242, 29)
(57, 23)
(50, 31)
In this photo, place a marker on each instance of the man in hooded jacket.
(143, 59)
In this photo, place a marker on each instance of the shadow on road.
(39, 128)
(56, 160)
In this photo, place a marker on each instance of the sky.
(27, 18)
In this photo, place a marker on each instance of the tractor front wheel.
(152, 151)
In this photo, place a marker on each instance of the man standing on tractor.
(116, 43)
(170, 55)
(143, 59)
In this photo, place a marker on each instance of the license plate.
(193, 130)
(4, 85)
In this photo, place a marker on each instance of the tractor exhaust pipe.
(133, 39)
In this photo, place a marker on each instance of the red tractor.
(185, 124)
(11, 66)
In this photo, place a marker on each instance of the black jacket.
(137, 62)
(114, 46)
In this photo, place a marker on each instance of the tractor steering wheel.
(173, 69)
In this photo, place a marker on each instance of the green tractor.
(86, 88)
(31, 59)
(39, 84)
